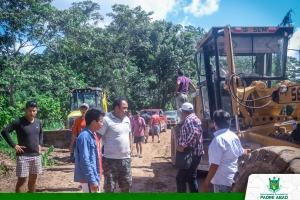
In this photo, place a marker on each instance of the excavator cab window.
(202, 84)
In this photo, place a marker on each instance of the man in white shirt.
(223, 153)
(117, 141)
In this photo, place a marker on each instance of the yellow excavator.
(93, 96)
(243, 70)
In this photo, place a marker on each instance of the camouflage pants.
(116, 170)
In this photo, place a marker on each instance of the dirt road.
(152, 173)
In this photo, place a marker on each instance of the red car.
(162, 118)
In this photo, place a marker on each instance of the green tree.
(24, 24)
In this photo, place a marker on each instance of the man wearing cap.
(181, 90)
(79, 124)
(190, 132)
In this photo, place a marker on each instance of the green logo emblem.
(274, 185)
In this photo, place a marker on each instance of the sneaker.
(137, 155)
(152, 141)
(159, 141)
(140, 156)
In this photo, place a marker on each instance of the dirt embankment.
(151, 173)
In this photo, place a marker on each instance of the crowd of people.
(119, 130)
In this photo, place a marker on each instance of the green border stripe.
(119, 196)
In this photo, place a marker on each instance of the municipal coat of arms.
(274, 185)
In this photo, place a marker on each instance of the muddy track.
(151, 173)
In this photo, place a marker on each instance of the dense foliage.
(133, 56)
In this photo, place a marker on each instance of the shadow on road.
(59, 190)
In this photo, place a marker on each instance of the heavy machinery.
(243, 70)
(93, 96)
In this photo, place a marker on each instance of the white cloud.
(160, 7)
(295, 44)
(185, 21)
(199, 8)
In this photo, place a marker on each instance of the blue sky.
(208, 13)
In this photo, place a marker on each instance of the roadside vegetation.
(45, 52)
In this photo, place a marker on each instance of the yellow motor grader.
(243, 70)
(93, 96)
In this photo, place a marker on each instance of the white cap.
(187, 106)
(84, 105)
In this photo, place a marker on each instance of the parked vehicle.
(173, 117)
(162, 118)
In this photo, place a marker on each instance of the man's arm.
(73, 137)
(192, 85)
(150, 123)
(211, 173)
(176, 88)
(6, 135)
(130, 141)
(41, 137)
(194, 130)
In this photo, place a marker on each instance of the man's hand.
(204, 187)
(95, 187)
(71, 148)
(40, 148)
(19, 149)
(180, 148)
(246, 151)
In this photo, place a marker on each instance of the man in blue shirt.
(87, 153)
(223, 154)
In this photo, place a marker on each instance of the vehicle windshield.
(171, 113)
(256, 56)
(85, 97)
(149, 113)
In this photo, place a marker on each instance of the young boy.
(87, 153)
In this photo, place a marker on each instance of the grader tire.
(267, 160)
(174, 135)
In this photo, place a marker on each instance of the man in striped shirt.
(190, 132)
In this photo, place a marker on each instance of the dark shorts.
(138, 139)
(116, 170)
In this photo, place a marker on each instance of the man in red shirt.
(154, 125)
(79, 124)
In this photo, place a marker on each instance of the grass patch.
(46, 161)
(5, 148)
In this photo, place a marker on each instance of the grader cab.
(243, 70)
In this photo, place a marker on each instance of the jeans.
(221, 189)
(188, 176)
